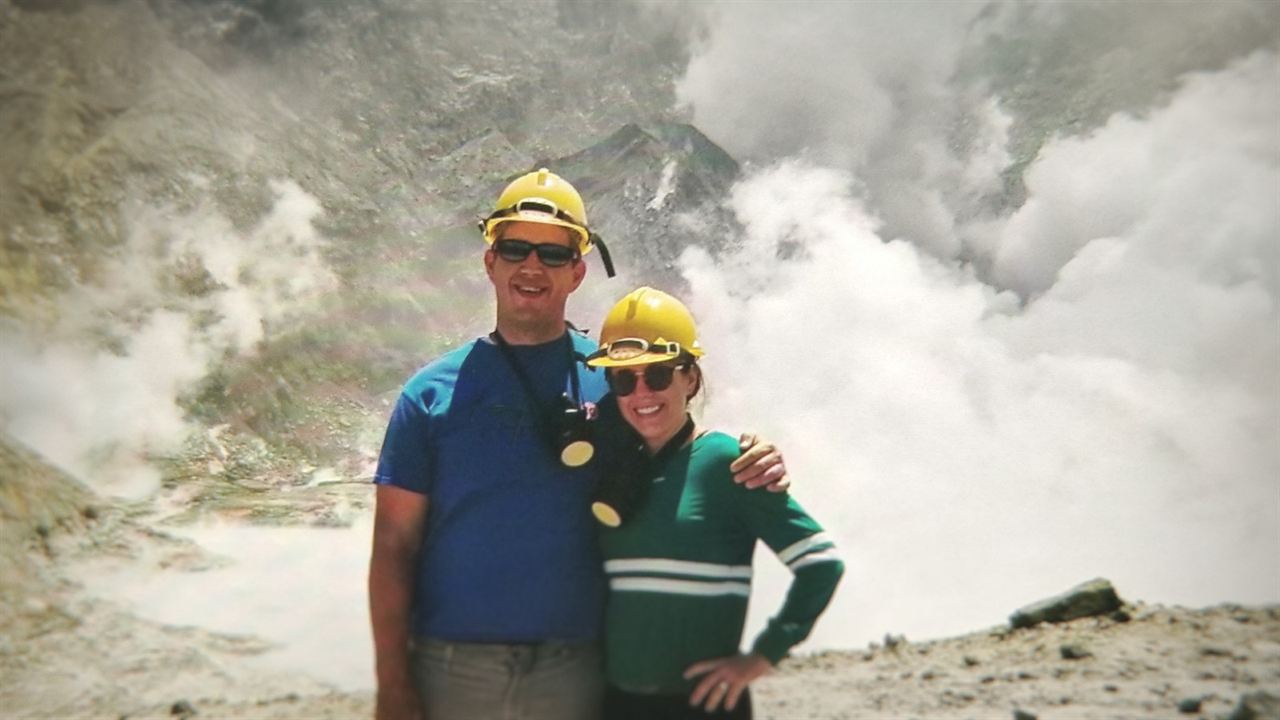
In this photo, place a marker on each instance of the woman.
(679, 563)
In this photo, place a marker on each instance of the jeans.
(543, 681)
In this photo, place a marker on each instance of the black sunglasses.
(549, 254)
(656, 377)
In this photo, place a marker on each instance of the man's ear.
(579, 272)
(490, 257)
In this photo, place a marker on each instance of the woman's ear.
(697, 385)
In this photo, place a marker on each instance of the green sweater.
(680, 571)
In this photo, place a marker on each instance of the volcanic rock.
(1096, 597)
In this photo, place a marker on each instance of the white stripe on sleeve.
(796, 549)
(828, 555)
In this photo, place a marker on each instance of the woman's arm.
(816, 571)
(809, 553)
(726, 678)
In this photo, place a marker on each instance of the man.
(485, 564)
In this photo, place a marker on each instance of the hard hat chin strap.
(604, 254)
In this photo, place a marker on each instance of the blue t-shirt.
(509, 553)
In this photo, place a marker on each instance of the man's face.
(528, 291)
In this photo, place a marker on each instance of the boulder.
(1096, 597)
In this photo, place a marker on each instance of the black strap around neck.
(541, 413)
(672, 446)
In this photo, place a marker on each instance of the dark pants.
(622, 705)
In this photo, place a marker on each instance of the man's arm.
(760, 465)
(399, 521)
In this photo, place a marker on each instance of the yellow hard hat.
(542, 197)
(646, 326)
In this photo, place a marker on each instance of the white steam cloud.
(97, 392)
(1213, 149)
(315, 615)
(973, 454)
(867, 87)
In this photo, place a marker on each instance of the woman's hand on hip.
(724, 679)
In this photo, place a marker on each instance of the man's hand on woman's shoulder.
(760, 465)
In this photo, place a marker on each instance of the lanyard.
(671, 447)
(543, 414)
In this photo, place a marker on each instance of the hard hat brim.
(644, 359)
(604, 361)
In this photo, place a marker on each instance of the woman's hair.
(691, 364)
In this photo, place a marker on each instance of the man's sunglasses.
(657, 377)
(549, 254)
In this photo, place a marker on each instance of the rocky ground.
(1221, 662)
(1163, 662)
(67, 654)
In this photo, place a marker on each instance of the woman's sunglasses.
(549, 254)
(656, 377)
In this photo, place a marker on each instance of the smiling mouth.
(649, 410)
(528, 291)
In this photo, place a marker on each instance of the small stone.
(970, 661)
(1110, 688)
(182, 707)
(928, 675)
(1121, 616)
(1210, 651)
(987, 679)
(1189, 705)
(1023, 715)
(1074, 652)
(1024, 675)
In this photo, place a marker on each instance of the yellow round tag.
(577, 453)
(605, 514)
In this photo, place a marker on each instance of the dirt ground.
(89, 660)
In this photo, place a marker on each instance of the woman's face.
(656, 414)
